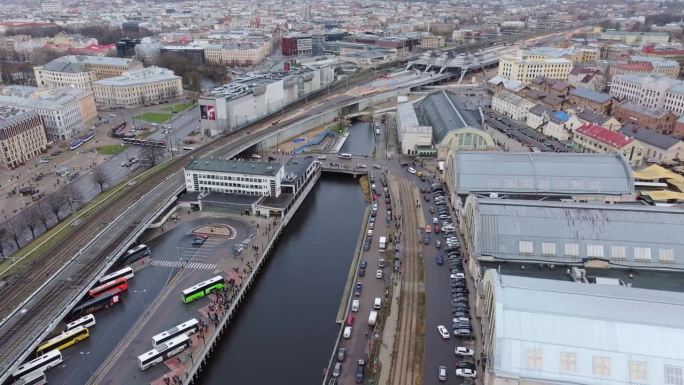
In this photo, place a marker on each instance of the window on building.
(666, 255)
(572, 250)
(548, 249)
(618, 253)
(673, 375)
(601, 366)
(525, 247)
(642, 254)
(637, 371)
(568, 362)
(595, 251)
(535, 358)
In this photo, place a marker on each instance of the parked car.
(341, 354)
(360, 372)
(378, 274)
(337, 369)
(438, 244)
(463, 351)
(440, 260)
(357, 289)
(411, 170)
(347, 332)
(466, 373)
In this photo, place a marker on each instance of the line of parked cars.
(460, 306)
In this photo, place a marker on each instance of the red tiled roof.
(653, 51)
(604, 135)
(634, 66)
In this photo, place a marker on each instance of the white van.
(347, 331)
(372, 318)
(355, 305)
(377, 304)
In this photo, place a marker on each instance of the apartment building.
(138, 87)
(660, 66)
(593, 138)
(430, 41)
(526, 65)
(81, 71)
(650, 90)
(234, 177)
(556, 124)
(658, 120)
(237, 54)
(656, 147)
(65, 112)
(22, 136)
(628, 37)
(597, 101)
(514, 106)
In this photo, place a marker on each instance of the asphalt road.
(84, 358)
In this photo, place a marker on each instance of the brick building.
(658, 120)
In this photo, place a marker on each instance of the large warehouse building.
(539, 175)
(540, 331)
(567, 233)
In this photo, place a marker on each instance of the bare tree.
(14, 230)
(3, 238)
(42, 214)
(54, 202)
(30, 221)
(100, 177)
(72, 196)
(152, 155)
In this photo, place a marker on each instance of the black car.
(362, 272)
(387, 201)
(465, 365)
(426, 240)
(366, 246)
(360, 372)
(363, 264)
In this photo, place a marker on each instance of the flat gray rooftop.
(235, 167)
(537, 173)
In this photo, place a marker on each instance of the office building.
(234, 177)
(81, 71)
(644, 38)
(650, 90)
(22, 136)
(237, 54)
(526, 65)
(138, 87)
(593, 138)
(66, 112)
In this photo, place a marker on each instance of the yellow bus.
(63, 340)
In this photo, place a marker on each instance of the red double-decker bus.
(120, 283)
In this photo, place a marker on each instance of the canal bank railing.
(211, 343)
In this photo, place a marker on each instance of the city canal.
(284, 331)
(361, 140)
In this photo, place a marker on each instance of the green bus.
(203, 288)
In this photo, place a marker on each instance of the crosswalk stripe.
(188, 265)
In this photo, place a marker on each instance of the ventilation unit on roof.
(269, 168)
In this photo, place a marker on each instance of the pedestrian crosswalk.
(187, 265)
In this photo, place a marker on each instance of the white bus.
(85, 321)
(163, 351)
(344, 155)
(40, 364)
(33, 378)
(187, 328)
(126, 272)
(382, 244)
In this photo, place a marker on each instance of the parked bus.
(344, 155)
(120, 284)
(187, 328)
(96, 304)
(126, 272)
(86, 322)
(63, 340)
(40, 364)
(33, 378)
(138, 252)
(163, 351)
(383, 244)
(203, 288)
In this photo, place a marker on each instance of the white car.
(347, 332)
(378, 274)
(370, 233)
(463, 351)
(457, 276)
(411, 170)
(435, 221)
(442, 374)
(443, 331)
(468, 373)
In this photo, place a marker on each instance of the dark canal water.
(286, 329)
(361, 139)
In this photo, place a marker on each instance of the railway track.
(405, 369)
(24, 324)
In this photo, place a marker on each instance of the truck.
(372, 318)
(383, 244)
